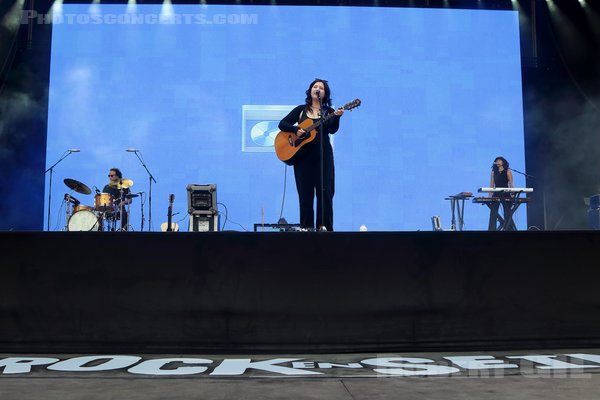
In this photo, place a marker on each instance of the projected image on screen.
(201, 97)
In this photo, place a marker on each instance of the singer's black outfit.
(307, 169)
(500, 181)
(116, 193)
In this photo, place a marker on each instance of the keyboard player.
(501, 177)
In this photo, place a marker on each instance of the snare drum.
(104, 202)
(84, 220)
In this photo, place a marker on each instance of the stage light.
(56, 9)
(516, 6)
(569, 35)
(166, 11)
(583, 3)
(95, 7)
(12, 19)
(593, 18)
(131, 6)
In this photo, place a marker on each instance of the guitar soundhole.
(290, 141)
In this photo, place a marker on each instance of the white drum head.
(83, 221)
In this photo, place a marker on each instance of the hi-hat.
(78, 186)
(121, 184)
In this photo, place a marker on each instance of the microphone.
(71, 199)
(318, 93)
(74, 150)
(132, 150)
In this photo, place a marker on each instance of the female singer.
(501, 177)
(307, 169)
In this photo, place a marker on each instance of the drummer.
(113, 187)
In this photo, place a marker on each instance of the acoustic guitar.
(288, 145)
(170, 226)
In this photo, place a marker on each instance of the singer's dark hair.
(504, 162)
(326, 99)
(118, 172)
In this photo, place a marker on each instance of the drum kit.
(106, 212)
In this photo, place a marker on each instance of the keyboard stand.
(513, 205)
(457, 205)
(507, 223)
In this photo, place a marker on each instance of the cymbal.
(77, 186)
(131, 196)
(122, 184)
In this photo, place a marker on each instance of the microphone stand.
(51, 170)
(142, 209)
(121, 204)
(543, 192)
(322, 159)
(522, 173)
(513, 201)
(151, 178)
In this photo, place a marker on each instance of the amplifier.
(204, 223)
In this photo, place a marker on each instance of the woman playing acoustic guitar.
(307, 167)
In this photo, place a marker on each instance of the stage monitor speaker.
(202, 199)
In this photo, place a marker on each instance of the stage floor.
(553, 375)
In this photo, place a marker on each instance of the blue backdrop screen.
(199, 91)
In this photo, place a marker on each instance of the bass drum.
(84, 221)
(78, 208)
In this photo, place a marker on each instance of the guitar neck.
(349, 106)
(170, 213)
(319, 122)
